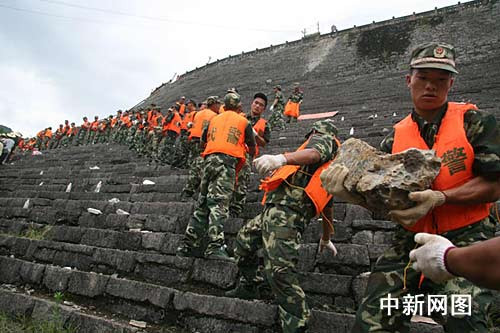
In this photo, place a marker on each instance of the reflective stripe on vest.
(226, 134)
(457, 157)
(201, 119)
(314, 190)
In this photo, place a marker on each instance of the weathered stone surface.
(216, 272)
(385, 180)
(254, 312)
(359, 285)
(326, 283)
(87, 284)
(56, 279)
(138, 291)
(9, 270)
(326, 322)
(363, 237)
(209, 324)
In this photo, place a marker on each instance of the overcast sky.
(63, 59)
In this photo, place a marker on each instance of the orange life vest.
(48, 134)
(174, 124)
(126, 121)
(292, 109)
(314, 190)
(182, 109)
(113, 121)
(188, 117)
(222, 109)
(59, 133)
(457, 156)
(40, 134)
(71, 131)
(66, 129)
(85, 125)
(94, 125)
(153, 121)
(259, 127)
(200, 120)
(226, 134)
(102, 127)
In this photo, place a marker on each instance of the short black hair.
(261, 95)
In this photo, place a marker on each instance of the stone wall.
(362, 68)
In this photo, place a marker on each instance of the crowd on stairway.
(220, 143)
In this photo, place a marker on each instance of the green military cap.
(212, 100)
(231, 101)
(325, 126)
(434, 55)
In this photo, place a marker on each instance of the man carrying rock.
(457, 206)
(293, 197)
(227, 137)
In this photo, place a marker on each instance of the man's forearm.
(479, 263)
(477, 190)
(303, 157)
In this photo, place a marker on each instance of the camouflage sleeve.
(249, 137)
(386, 144)
(267, 133)
(483, 134)
(324, 145)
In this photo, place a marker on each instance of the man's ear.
(408, 80)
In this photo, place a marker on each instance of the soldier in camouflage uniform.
(196, 147)
(182, 151)
(457, 212)
(262, 136)
(278, 229)
(171, 129)
(226, 137)
(276, 120)
(69, 136)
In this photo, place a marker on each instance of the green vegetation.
(36, 233)
(27, 325)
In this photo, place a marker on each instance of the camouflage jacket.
(482, 132)
(296, 97)
(267, 131)
(290, 193)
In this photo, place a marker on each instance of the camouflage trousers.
(54, 143)
(290, 119)
(278, 231)
(82, 135)
(388, 275)
(90, 137)
(166, 149)
(240, 191)
(182, 151)
(66, 140)
(212, 207)
(276, 120)
(195, 168)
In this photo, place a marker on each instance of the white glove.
(426, 200)
(333, 179)
(271, 108)
(255, 132)
(328, 245)
(189, 124)
(430, 258)
(268, 163)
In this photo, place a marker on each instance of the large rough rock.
(385, 180)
